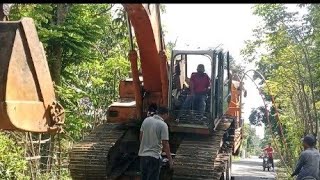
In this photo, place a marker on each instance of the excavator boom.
(145, 22)
(152, 85)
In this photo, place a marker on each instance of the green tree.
(74, 33)
(86, 47)
(289, 62)
(250, 140)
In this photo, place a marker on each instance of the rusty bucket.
(27, 98)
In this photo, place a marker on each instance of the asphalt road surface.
(250, 169)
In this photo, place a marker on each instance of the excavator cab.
(183, 106)
(27, 97)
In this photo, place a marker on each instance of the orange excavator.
(202, 144)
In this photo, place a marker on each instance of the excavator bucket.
(27, 97)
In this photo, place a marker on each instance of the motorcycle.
(266, 163)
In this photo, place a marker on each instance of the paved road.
(250, 169)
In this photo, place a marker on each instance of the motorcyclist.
(269, 152)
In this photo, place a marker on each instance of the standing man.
(269, 150)
(154, 137)
(308, 164)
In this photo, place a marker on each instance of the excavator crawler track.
(88, 159)
(199, 158)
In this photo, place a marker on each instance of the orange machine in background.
(111, 149)
(235, 111)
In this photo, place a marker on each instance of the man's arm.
(319, 169)
(208, 82)
(166, 149)
(191, 84)
(299, 165)
(141, 134)
(141, 131)
(165, 143)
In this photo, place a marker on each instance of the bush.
(12, 161)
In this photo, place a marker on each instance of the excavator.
(202, 147)
(202, 144)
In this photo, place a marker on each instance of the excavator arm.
(145, 22)
(145, 19)
(152, 86)
(27, 100)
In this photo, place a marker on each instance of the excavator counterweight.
(27, 97)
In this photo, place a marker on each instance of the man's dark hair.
(162, 110)
(309, 140)
(153, 108)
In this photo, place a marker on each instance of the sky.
(209, 25)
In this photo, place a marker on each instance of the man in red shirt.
(199, 86)
(269, 151)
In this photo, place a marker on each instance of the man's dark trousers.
(150, 168)
(271, 161)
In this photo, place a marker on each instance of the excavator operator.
(199, 85)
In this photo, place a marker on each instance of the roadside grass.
(236, 158)
(281, 172)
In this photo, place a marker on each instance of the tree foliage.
(250, 140)
(88, 32)
(86, 47)
(285, 48)
(12, 161)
